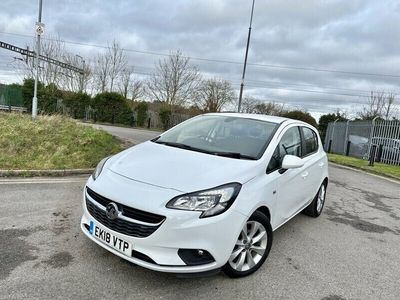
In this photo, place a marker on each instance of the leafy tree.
(141, 110)
(300, 115)
(324, 120)
(112, 107)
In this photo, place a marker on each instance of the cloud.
(355, 36)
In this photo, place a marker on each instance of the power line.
(268, 87)
(222, 61)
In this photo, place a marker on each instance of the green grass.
(378, 168)
(51, 142)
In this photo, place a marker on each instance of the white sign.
(39, 28)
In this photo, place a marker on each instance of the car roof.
(272, 119)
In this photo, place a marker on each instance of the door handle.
(321, 164)
(304, 175)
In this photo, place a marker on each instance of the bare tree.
(102, 72)
(136, 89)
(72, 80)
(213, 95)
(62, 78)
(256, 106)
(125, 81)
(380, 104)
(248, 105)
(118, 62)
(53, 47)
(174, 81)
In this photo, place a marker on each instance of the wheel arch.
(265, 210)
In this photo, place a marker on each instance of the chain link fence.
(377, 139)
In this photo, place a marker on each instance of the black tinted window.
(310, 141)
(290, 144)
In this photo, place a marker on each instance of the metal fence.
(377, 138)
(11, 97)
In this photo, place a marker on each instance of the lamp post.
(39, 31)
(245, 59)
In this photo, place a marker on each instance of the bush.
(165, 116)
(27, 92)
(141, 110)
(47, 102)
(77, 103)
(112, 107)
(301, 116)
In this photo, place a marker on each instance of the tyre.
(252, 247)
(316, 206)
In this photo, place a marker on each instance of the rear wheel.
(252, 247)
(316, 206)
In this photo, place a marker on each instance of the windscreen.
(221, 135)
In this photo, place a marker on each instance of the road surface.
(352, 251)
(133, 135)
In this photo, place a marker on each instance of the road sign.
(39, 28)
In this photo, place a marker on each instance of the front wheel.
(252, 247)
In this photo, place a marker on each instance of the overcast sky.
(288, 37)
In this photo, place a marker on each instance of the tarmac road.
(133, 135)
(352, 251)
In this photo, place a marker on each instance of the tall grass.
(51, 142)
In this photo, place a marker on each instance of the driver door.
(290, 192)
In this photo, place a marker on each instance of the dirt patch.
(60, 222)
(59, 260)
(333, 297)
(356, 222)
(14, 250)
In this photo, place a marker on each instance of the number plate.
(109, 239)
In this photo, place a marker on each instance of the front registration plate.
(110, 239)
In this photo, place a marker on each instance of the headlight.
(211, 202)
(99, 168)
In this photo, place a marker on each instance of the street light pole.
(35, 100)
(245, 59)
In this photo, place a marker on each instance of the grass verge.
(391, 171)
(51, 142)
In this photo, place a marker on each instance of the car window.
(222, 135)
(310, 141)
(290, 143)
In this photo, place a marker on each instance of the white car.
(206, 194)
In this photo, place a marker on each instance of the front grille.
(127, 211)
(119, 225)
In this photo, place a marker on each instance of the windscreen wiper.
(174, 144)
(234, 155)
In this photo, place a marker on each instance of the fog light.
(195, 257)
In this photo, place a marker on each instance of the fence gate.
(356, 138)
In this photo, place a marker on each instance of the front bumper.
(180, 230)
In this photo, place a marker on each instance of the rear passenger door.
(313, 162)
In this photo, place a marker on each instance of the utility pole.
(39, 31)
(245, 59)
(82, 75)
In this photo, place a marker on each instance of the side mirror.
(292, 162)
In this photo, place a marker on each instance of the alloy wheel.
(321, 198)
(250, 247)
